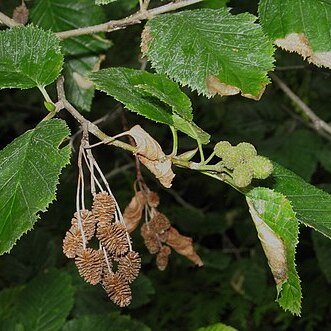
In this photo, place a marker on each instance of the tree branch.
(6, 20)
(124, 22)
(317, 123)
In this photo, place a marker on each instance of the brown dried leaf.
(162, 258)
(183, 245)
(134, 210)
(298, 42)
(146, 38)
(21, 14)
(151, 155)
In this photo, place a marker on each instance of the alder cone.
(117, 289)
(183, 245)
(90, 265)
(113, 237)
(88, 221)
(159, 223)
(162, 258)
(151, 240)
(72, 242)
(133, 212)
(103, 207)
(129, 266)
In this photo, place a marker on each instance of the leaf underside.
(292, 25)
(278, 231)
(222, 53)
(29, 57)
(29, 171)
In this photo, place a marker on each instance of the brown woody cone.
(72, 242)
(183, 245)
(117, 289)
(133, 212)
(162, 257)
(21, 14)
(90, 265)
(150, 239)
(129, 266)
(88, 222)
(153, 199)
(159, 223)
(103, 207)
(113, 236)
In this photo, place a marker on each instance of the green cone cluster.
(243, 161)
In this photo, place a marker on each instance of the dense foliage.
(209, 72)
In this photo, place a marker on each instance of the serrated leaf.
(278, 231)
(45, 302)
(210, 50)
(105, 322)
(311, 205)
(217, 327)
(29, 57)
(29, 171)
(301, 26)
(322, 246)
(142, 290)
(8, 299)
(130, 87)
(104, 2)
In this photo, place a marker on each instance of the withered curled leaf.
(21, 14)
(183, 245)
(133, 211)
(152, 156)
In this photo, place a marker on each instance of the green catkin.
(246, 150)
(262, 167)
(221, 148)
(242, 175)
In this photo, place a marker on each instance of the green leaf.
(104, 2)
(45, 302)
(150, 95)
(278, 231)
(210, 50)
(311, 205)
(142, 291)
(215, 4)
(217, 327)
(79, 90)
(301, 26)
(29, 171)
(29, 57)
(62, 15)
(106, 322)
(322, 246)
(82, 52)
(8, 299)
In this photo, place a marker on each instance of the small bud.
(221, 148)
(247, 150)
(242, 175)
(262, 167)
(187, 156)
(49, 106)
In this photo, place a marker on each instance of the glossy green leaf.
(301, 26)
(29, 170)
(322, 246)
(278, 231)
(109, 322)
(217, 327)
(29, 57)
(312, 205)
(45, 302)
(151, 95)
(214, 51)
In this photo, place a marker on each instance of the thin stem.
(210, 157)
(6, 20)
(45, 94)
(174, 141)
(130, 20)
(318, 124)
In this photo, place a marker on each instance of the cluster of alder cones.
(158, 234)
(115, 265)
